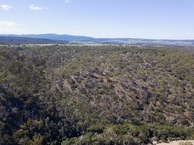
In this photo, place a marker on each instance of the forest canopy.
(71, 94)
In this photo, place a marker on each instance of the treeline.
(95, 95)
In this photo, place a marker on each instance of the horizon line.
(9, 34)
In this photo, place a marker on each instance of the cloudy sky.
(166, 19)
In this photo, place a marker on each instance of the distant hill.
(24, 40)
(56, 38)
(74, 38)
(60, 37)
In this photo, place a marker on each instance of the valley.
(95, 94)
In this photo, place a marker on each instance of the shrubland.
(107, 94)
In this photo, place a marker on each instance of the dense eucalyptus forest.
(103, 95)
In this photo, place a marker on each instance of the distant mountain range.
(58, 38)
(61, 39)
(15, 40)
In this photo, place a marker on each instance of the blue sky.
(160, 19)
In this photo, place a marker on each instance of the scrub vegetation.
(107, 94)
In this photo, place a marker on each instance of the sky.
(157, 19)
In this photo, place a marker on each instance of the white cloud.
(67, 1)
(8, 24)
(76, 31)
(5, 7)
(12, 30)
(10, 27)
(35, 8)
